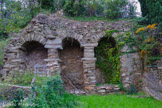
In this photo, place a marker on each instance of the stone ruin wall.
(50, 30)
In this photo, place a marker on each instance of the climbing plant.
(107, 54)
(146, 40)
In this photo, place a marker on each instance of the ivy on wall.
(108, 57)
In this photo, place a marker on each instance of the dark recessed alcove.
(33, 52)
(71, 65)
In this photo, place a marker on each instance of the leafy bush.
(51, 5)
(94, 8)
(114, 8)
(19, 78)
(152, 10)
(17, 98)
(74, 7)
(15, 17)
(146, 39)
(13, 93)
(51, 94)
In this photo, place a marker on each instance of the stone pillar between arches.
(53, 60)
(89, 62)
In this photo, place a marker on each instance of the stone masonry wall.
(50, 30)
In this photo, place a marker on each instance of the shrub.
(13, 93)
(114, 8)
(74, 7)
(19, 78)
(94, 8)
(17, 98)
(51, 5)
(152, 10)
(51, 94)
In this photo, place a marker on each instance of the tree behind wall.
(152, 10)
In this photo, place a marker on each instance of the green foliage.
(114, 8)
(146, 42)
(94, 8)
(13, 94)
(51, 5)
(13, 18)
(51, 94)
(107, 54)
(152, 10)
(111, 9)
(74, 7)
(3, 43)
(8, 16)
(17, 98)
(19, 78)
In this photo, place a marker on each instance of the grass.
(113, 101)
(117, 101)
(3, 43)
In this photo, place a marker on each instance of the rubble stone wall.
(50, 30)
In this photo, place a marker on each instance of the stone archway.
(71, 65)
(104, 66)
(32, 53)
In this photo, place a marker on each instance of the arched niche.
(71, 65)
(103, 66)
(33, 53)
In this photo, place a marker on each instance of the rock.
(102, 91)
(51, 37)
